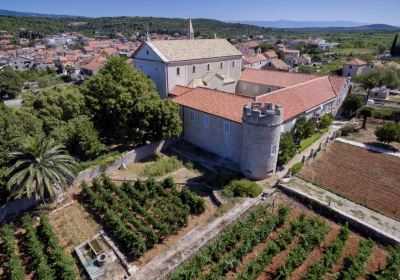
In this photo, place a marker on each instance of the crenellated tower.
(261, 130)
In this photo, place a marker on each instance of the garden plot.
(288, 244)
(32, 251)
(367, 178)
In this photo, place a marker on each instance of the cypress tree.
(394, 50)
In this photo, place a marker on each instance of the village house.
(257, 61)
(248, 48)
(357, 66)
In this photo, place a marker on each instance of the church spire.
(189, 31)
(147, 35)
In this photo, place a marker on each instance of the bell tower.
(189, 30)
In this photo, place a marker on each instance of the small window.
(227, 127)
(351, 66)
(221, 65)
(192, 115)
(206, 121)
(147, 52)
(233, 64)
(208, 67)
(178, 71)
(194, 69)
(273, 150)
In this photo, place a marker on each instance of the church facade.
(212, 63)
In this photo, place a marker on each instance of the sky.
(364, 11)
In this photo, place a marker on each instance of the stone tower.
(189, 30)
(261, 131)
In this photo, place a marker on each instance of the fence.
(19, 205)
(322, 146)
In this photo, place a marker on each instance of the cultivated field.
(287, 244)
(368, 178)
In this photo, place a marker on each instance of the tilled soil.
(365, 177)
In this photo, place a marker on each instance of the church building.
(238, 114)
(211, 63)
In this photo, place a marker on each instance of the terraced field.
(289, 244)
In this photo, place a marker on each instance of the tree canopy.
(395, 49)
(125, 107)
(55, 106)
(378, 77)
(10, 83)
(352, 103)
(388, 132)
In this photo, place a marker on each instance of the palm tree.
(40, 167)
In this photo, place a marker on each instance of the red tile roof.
(254, 58)
(357, 62)
(279, 64)
(303, 97)
(276, 78)
(338, 83)
(270, 54)
(218, 103)
(179, 90)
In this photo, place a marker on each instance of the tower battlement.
(262, 114)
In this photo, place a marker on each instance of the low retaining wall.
(19, 205)
(340, 216)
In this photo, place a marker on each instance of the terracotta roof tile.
(357, 62)
(218, 103)
(254, 58)
(179, 90)
(276, 78)
(270, 54)
(279, 64)
(300, 98)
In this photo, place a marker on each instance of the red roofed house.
(247, 129)
(353, 68)
(257, 61)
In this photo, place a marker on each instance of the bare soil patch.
(368, 178)
(367, 136)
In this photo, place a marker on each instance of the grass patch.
(296, 168)
(162, 166)
(101, 161)
(304, 144)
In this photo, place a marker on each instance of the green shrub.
(326, 121)
(244, 188)
(308, 141)
(383, 114)
(345, 130)
(287, 148)
(296, 168)
(162, 166)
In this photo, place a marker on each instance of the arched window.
(194, 69)
(208, 67)
(178, 71)
(221, 65)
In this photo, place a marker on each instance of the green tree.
(353, 103)
(281, 54)
(39, 168)
(10, 83)
(365, 112)
(135, 112)
(388, 132)
(287, 148)
(395, 49)
(55, 106)
(370, 79)
(326, 121)
(303, 129)
(80, 138)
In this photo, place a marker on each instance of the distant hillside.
(27, 14)
(370, 27)
(303, 24)
(110, 26)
